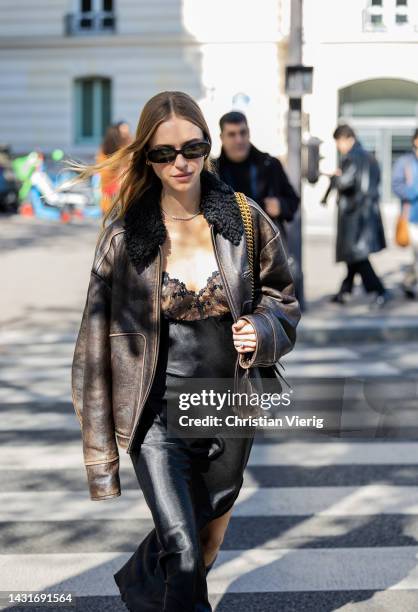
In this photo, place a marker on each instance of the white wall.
(240, 54)
(32, 17)
(342, 54)
(149, 17)
(211, 50)
(36, 109)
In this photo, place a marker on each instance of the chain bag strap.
(249, 232)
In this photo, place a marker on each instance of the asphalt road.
(326, 520)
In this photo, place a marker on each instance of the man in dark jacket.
(259, 175)
(359, 227)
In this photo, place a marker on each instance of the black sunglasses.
(167, 153)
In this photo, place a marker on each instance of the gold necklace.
(180, 218)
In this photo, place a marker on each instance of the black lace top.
(178, 302)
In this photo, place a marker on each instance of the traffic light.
(310, 159)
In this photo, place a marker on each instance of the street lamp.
(298, 82)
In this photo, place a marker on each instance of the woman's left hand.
(244, 336)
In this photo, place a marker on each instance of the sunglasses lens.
(163, 155)
(167, 154)
(196, 149)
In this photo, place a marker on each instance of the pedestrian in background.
(259, 175)
(405, 186)
(116, 137)
(125, 131)
(359, 226)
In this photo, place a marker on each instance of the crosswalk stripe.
(74, 479)
(48, 349)
(308, 538)
(14, 337)
(335, 453)
(344, 370)
(252, 501)
(324, 569)
(243, 533)
(44, 421)
(29, 375)
(67, 455)
(249, 571)
(295, 371)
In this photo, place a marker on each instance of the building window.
(402, 12)
(376, 20)
(389, 16)
(373, 16)
(92, 109)
(91, 17)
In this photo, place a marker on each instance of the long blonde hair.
(128, 163)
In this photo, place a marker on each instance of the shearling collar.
(145, 230)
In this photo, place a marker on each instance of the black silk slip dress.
(187, 481)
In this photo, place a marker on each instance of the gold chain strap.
(249, 232)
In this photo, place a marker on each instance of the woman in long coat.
(178, 297)
(359, 227)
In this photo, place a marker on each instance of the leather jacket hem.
(103, 479)
(106, 496)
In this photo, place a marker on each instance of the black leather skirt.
(186, 481)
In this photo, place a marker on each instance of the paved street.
(327, 520)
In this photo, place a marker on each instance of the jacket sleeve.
(92, 388)
(348, 180)
(400, 187)
(289, 200)
(277, 311)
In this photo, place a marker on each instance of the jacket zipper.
(154, 365)
(229, 299)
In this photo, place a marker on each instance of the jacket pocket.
(127, 350)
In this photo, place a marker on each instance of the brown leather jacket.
(117, 345)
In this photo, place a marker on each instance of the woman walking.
(360, 229)
(170, 303)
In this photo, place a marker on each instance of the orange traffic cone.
(26, 209)
(65, 216)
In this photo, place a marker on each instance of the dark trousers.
(167, 571)
(186, 483)
(370, 280)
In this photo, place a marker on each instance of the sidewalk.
(327, 323)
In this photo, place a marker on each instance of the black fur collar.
(145, 229)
